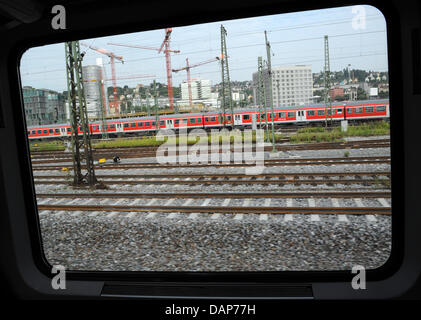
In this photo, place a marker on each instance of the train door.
(301, 115)
(119, 128)
(237, 120)
(170, 124)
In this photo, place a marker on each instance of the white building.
(291, 86)
(200, 89)
(91, 74)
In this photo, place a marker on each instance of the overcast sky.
(296, 38)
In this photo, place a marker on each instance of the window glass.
(215, 213)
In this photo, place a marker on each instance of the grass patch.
(47, 146)
(321, 134)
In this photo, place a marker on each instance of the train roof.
(185, 115)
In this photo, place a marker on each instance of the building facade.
(91, 75)
(43, 106)
(200, 89)
(291, 86)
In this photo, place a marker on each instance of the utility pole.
(226, 96)
(78, 116)
(101, 105)
(148, 106)
(156, 107)
(262, 95)
(269, 65)
(327, 81)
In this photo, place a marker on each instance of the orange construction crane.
(167, 51)
(187, 68)
(112, 56)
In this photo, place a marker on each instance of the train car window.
(28, 132)
(369, 109)
(69, 130)
(50, 131)
(349, 110)
(380, 109)
(39, 131)
(359, 110)
(33, 131)
(57, 130)
(290, 216)
(44, 131)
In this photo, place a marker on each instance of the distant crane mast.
(112, 57)
(187, 68)
(165, 44)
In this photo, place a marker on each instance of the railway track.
(267, 162)
(218, 209)
(218, 195)
(235, 179)
(142, 152)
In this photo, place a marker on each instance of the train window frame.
(310, 113)
(320, 112)
(176, 121)
(383, 109)
(291, 114)
(199, 120)
(349, 110)
(112, 126)
(57, 130)
(185, 121)
(140, 124)
(369, 109)
(132, 124)
(281, 114)
(147, 123)
(339, 111)
(246, 117)
(192, 120)
(125, 125)
(358, 110)
(44, 131)
(212, 119)
(161, 123)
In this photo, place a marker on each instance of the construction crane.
(187, 68)
(112, 57)
(167, 51)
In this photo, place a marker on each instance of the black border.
(397, 148)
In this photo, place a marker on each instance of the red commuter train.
(350, 110)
